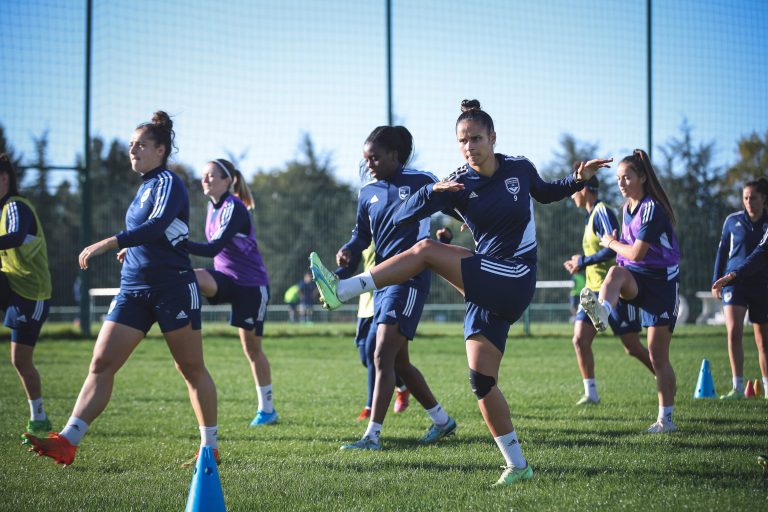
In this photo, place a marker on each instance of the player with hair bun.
(742, 234)
(238, 276)
(25, 287)
(398, 307)
(492, 193)
(157, 284)
(647, 274)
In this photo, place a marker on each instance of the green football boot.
(585, 400)
(326, 282)
(733, 394)
(512, 475)
(39, 426)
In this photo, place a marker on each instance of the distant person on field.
(307, 296)
(238, 276)
(25, 287)
(595, 262)
(647, 274)
(291, 298)
(493, 194)
(157, 284)
(742, 233)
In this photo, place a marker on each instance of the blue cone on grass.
(705, 387)
(205, 493)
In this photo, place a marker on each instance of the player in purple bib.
(742, 235)
(493, 194)
(238, 276)
(647, 274)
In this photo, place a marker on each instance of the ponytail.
(640, 162)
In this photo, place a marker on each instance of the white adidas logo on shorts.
(181, 316)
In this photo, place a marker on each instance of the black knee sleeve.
(481, 384)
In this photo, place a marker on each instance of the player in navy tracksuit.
(742, 232)
(397, 308)
(238, 276)
(647, 274)
(493, 194)
(157, 284)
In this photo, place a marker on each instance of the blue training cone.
(705, 387)
(205, 493)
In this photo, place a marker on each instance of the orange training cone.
(205, 493)
(758, 388)
(749, 391)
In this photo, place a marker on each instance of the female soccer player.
(596, 261)
(25, 287)
(742, 232)
(647, 275)
(157, 284)
(238, 276)
(397, 307)
(492, 194)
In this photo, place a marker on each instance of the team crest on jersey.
(513, 185)
(145, 196)
(404, 192)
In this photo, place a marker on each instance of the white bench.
(711, 309)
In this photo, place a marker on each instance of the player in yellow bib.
(25, 287)
(596, 261)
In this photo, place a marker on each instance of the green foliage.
(692, 183)
(752, 164)
(300, 209)
(585, 459)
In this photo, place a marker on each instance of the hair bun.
(162, 119)
(467, 105)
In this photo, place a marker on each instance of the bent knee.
(425, 247)
(481, 383)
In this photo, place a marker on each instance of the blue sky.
(254, 76)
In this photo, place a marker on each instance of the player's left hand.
(586, 170)
(607, 239)
(96, 249)
(717, 286)
(572, 265)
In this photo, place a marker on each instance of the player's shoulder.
(461, 174)
(517, 163)
(420, 175)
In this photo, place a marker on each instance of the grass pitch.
(584, 459)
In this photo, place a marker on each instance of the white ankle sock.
(265, 398)
(74, 430)
(354, 286)
(438, 415)
(590, 389)
(738, 383)
(665, 413)
(765, 386)
(209, 436)
(510, 449)
(36, 410)
(373, 431)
